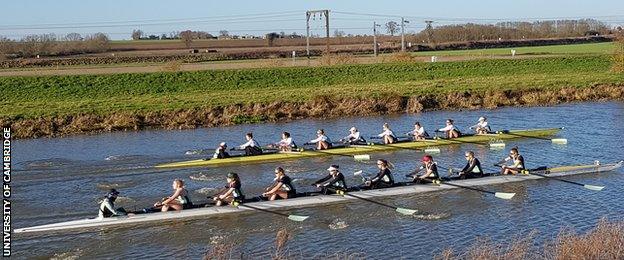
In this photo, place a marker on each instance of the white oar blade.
(559, 141)
(592, 187)
(405, 211)
(358, 173)
(361, 157)
(432, 150)
(297, 218)
(504, 195)
(497, 145)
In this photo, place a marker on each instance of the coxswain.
(450, 130)
(251, 147)
(354, 137)
(387, 135)
(322, 141)
(473, 167)
(482, 126)
(286, 144)
(221, 152)
(383, 179)
(333, 182)
(178, 201)
(431, 171)
(232, 191)
(107, 207)
(419, 133)
(282, 186)
(517, 162)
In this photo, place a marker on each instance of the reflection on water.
(62, 179)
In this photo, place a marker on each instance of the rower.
(322, 141)
(482, 126)
(431, 171)
(286, 144)
(518, 162)
(354, 137)
(178, 201)
(473, 167)
(107, 207)
(383, 179)
(387, 135)
(221, 152)
(419, 133)
(251, 147)
(450, 130)
(333, 182)
(232, 191)
(282, 186)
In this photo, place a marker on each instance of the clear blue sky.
(19, 17)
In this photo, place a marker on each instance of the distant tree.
(282, 34)
(187, 38)
(270, 37)
(338, 33)
(392, 27)
(224, 33)
(73, 37)
(153, 37)
(97, 42)
(137, 34)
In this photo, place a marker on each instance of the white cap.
(333, 168)
(481, 118)
(222, 144)
(353, 129)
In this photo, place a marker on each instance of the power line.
(247, 16)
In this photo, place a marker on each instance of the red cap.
(427, 158)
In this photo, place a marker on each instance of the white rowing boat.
(86, 224)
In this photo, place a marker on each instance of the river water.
(62, 179)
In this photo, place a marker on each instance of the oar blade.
(504, 195)
(405, 211)
(358, 173)
(361, 157)
(593, 187)
(297, 218)
(559, 141)
(497, 145)
(432, 150)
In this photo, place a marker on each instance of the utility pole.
(403, 22)
(375, 25)
(313, 13)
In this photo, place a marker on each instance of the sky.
(118, 18)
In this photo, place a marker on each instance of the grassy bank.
(30, 98)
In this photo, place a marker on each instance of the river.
(62, 179)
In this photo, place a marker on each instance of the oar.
(359, 173)
(553, 140)
(586, 186)
(291, 217)
(404, 211)
(491, 145)
(357, 157)
(500, 195)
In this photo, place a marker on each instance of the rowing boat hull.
(305, 201)
(365, 149)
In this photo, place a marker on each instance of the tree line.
(512, 31)
(53, 45)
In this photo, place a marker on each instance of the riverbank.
(65, 105)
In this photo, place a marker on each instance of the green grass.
(571, 49)
(29, 97)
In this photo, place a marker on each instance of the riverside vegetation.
(61, 105)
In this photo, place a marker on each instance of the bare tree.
(392, 27)
(338, 33)
(73, 37)
(224, 33)
(187, 38)
(137, 34)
